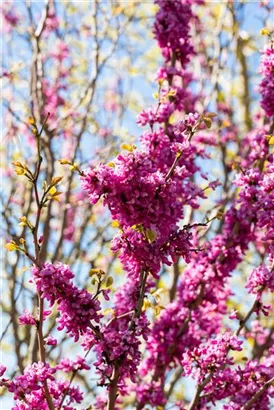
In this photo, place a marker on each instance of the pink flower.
(27, 319)
(77, 307)
(267, 84)
(2, 370)
(50, 341)
(259, 279)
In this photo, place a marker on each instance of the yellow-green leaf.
(11, 246)
(115, 224)
(265, 32)
(109, 281)
(52, 190)
(207, 122)
(128, 147)
(151, 235)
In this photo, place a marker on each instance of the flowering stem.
(173, 166)
(115, 377)
(201, 386)
(247, 316)
(256, 396)
(39, 204)
(199, 390)
(70, 382)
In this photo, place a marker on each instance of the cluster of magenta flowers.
(121, 338)
(267, 83)
(29, 388)
(146, 190)
(240, 384)
(197, 311)
(201, 301)
(77, 308)
(210, 356)
(260, 278)
(147, 199)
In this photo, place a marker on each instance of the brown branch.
(258, 394)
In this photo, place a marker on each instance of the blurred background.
(92, 66)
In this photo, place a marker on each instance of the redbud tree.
(138, 270)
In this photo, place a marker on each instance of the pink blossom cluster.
(128, 186)
(172, 27)
(240, 384)
(67, 365)
(77, 307)
(259, 279)
(29, 389)
(146, 191)
(120, 338)
(147, 204)
(27, 319)
(267, 83)
(210, 356)
(197, 312)
(256, 195)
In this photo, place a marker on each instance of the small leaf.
(172, 93)
(56, 180)
(111, 164)
(226, 124)
(146, 304)
(11, 246)
(74, 167)
(55, 197)
(115, 224)
(64, 162)
(20, 169)
(235, 166)
(157, 295)
(220, 214)
(207, 122)
(31, 121)
(23, 221)
(270, 139)
(97, 272)
(128, 147)
(158, 309)
(138, 228)
(265, 32)
(109, 281)
(52, 190)
(151, 235)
